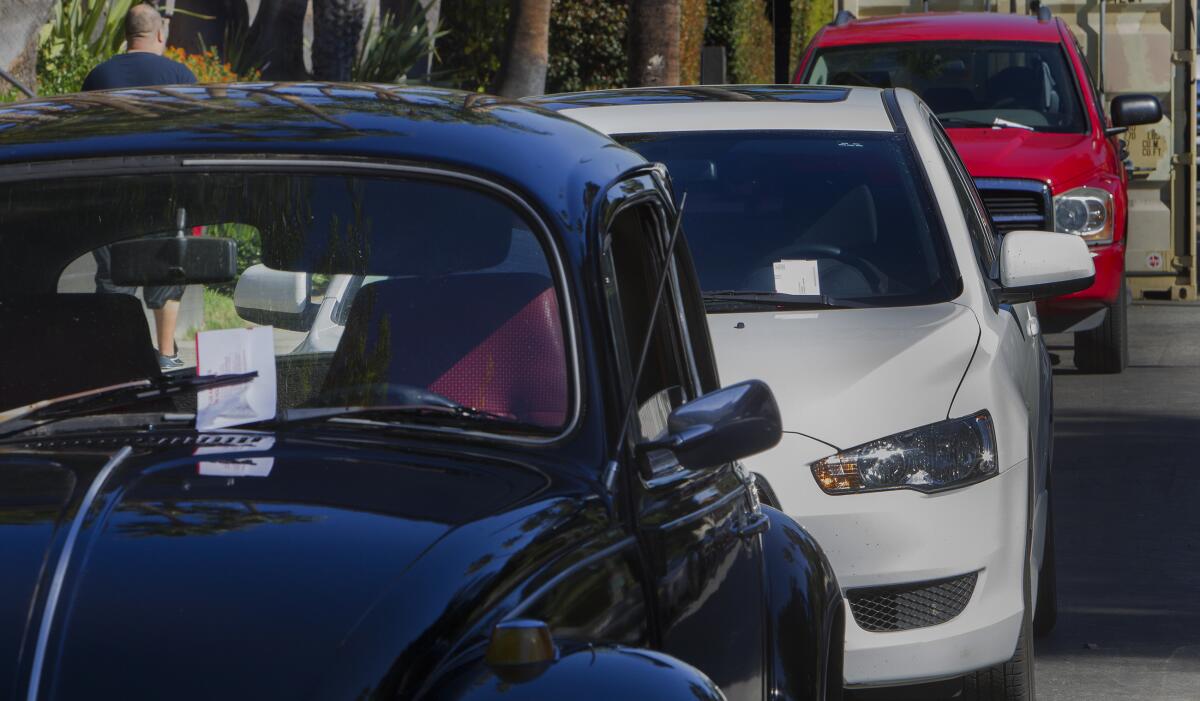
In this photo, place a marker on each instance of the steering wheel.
(814, 250)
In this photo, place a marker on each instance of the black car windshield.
(819, 216)
(379, 291)
(966, 84)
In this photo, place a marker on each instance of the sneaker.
(166, 363)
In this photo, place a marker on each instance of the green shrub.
(219, 313)
(76, 39)
(63, 70)
(469, 55)
(587, 44)
(742, 27)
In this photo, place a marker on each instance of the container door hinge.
(1186, 56)
(1183, 159)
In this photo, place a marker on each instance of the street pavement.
(1126, 499)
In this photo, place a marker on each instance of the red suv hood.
(1057, 159)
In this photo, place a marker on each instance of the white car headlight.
(932, 458)
(1086, 212)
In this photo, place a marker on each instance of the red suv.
(1016, 98)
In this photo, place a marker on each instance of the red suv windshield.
(967, 84)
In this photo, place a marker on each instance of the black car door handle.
(757, 523)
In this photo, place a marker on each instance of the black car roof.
(691, 93)
(532, 149)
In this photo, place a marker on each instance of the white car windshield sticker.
(797, 277)
(236, 351)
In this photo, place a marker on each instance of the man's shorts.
(155, 297)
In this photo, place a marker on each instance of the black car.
(500, 462)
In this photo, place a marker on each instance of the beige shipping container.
(1132, 47)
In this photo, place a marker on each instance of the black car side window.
(632, 264)
(983, 240)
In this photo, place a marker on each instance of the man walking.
(143, 64)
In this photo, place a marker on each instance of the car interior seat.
(68, 343)
(489, 341)
(942, 100)
(1016, 87)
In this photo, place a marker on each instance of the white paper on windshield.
(797, 277)
(236, 351)
(228, 464)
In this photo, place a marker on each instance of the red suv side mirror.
(1130, 110)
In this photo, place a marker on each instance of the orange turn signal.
(520, 642)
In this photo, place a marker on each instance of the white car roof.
(725, 108)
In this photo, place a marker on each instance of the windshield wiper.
(1001, 123)
(116, 396)
(779, 299)
(404, 401)
(953, 122)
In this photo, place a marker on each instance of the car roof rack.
(843, 18)
(1040, 9)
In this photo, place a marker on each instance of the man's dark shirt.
(134, 70)
(137, 69)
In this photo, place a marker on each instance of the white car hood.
(848, 376)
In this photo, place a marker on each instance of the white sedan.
(847, 260)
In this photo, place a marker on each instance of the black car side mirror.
(1131, 110)
(174, 260)
(722, 426)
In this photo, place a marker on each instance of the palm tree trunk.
(654, 42)
(337, 25)
(524, 69)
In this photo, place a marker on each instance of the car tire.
(1105, 349)
(1007, 681)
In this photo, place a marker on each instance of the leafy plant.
(587, 45)
(388, 55)
(96, 28)
(207, 65)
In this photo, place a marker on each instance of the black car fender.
(586, 673)
(805, 614)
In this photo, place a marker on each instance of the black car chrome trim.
(60, 570)
(568, 306)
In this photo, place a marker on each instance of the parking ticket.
(797, 277)
(236, 351)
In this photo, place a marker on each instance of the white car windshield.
(846, 213)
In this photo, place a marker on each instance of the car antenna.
(658, 295)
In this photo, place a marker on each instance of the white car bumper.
(904, 537)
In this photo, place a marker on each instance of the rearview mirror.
(173, 260)
(1040, 264)
(722, 426)
(1131, 110)
(275, 297)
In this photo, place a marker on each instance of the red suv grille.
(1016, 204)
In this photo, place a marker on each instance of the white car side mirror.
(1040, 264)
(275, 297)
